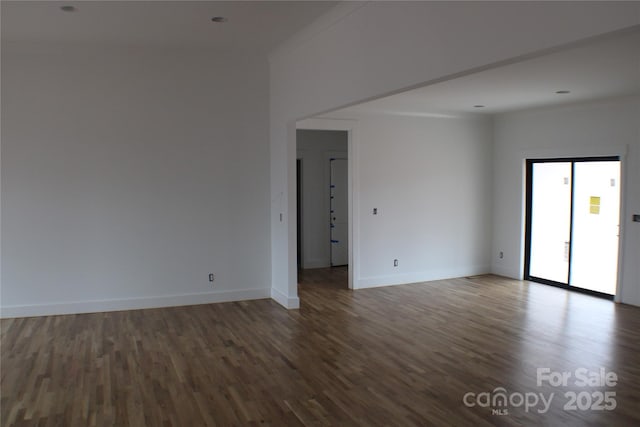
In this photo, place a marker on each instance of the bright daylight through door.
(573, 223)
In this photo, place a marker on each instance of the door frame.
(352, 191)
(529, 162)
(299, 213)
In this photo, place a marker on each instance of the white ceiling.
(605, 68)
(253, 25)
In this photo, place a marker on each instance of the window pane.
(596, 216)
(550, 221)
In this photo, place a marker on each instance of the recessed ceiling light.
(68, 8)
(219, 19)
(478, 106)
(563, 92)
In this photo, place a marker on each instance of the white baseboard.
(505, 272)
(287, 302)
(131, 303)
(423, 276)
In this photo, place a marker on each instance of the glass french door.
(573, 213)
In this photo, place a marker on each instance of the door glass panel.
(596, 215)
(550, 221)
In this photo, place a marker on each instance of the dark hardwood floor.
(392, 356)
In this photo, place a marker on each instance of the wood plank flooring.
(391, 356)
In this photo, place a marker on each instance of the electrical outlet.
(211, 277)
(395, 262)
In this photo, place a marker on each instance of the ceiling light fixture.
(563, 92)
(478, 106)
(219, 19)
(68, 8)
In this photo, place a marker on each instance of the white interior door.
(338, 212)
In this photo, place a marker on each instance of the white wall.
(128, 175)
(365, 50)
(602, 128)
(315, 148)
(430, 181)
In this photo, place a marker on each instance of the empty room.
(320, 213)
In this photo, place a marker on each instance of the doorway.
(323, 231)
(572, 224)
